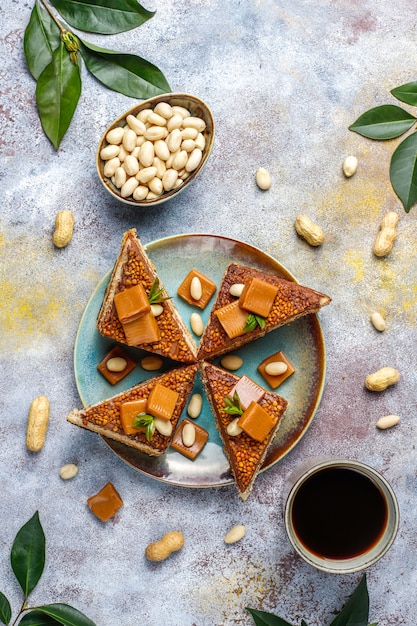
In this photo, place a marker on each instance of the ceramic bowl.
(196, 107)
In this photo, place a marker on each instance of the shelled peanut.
(155, 152)
(162, 549)
(387, 234)
(64, 226)
(382, 379)
(312, 233)
(37, 423)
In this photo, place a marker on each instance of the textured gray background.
(284, 80)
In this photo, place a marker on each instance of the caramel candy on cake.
(105, 503)
(258, 297)
(276, 381)
(161, 402)
(247, 391)
(256, 422)
(201, 436)
(131, 303)
(232, 318)
(115, 377)
(143, 330)
(207, 285)
(128, 412)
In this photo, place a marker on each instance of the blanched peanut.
(164, 109)
(188, 435)
(383, 378)
(196, 288)
(276, 368)
(162, 549)
(388, 421)
(197, 324)
(195, 405)
(129, 140)
(157, 309)
(64, 226)
(68, 471)
(236, 289)
(129, 187)
(387, 234)
(136, 125)
(231, 362)
(194, 160)
(116, 364)
(109, 152)
(309, 231)
(350, 165)
(164, 427)
(233, 429)
(111, 166)
(235, 534)
(115, 135)
(378, 321)
(263, 178)
(151, 363)
(37, 423)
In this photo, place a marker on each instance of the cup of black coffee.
(341, 516)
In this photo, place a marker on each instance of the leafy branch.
(27, 559)
(233, 405)
(54, 54)
(252, 321)
(354, 613)
(388, 122)
(147, 422)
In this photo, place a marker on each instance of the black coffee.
(339, 513)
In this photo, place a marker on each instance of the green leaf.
(60, 614)
(143, 420)
(154, 296)
(233, 405)
(406, 93)
(35, 618)
(252, 321)
(105, 17)
(383, 122)
(5, 609)
(28, 554)
(403, 171)
(41, 38)
(262, 618)
(356, 610)
(57, 94)
(125, 73)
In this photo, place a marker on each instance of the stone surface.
(284, 81)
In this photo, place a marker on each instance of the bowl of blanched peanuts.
(155, 149)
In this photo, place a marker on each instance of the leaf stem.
(23, 608)
(57, 22)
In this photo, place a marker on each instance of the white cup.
(341, 516)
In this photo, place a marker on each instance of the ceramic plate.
(302, 342)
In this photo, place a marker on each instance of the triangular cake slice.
(266, 303)
(135, 275)
(245, 452)
(163, 396)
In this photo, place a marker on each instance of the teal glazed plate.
(302, 342)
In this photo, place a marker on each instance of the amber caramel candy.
(208, 289)
(131, 303)
(201, 437)
(276, 381)
(128, 412)
(258, 297)
(161, 402)
(256, 422)
(248, 391)
(143, 330)
(105, 503)
(115, 377)
(232, 318)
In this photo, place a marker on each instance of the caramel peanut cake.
(247, 418)
(136, 309)
(251, 303)
(145, 416)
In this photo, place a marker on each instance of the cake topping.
(128, 413)
(258, 296)
(161, 402)
(247, 391)
(131, 303)
(142, 330)
(256, 422)
(232, 318)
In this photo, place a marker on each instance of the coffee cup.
(341, 516)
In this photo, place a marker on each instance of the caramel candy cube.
(115, 377)
(128, 412)
(258, 296)
(131, 303)
(207, 285)
(232, 318)
(256, 422)
(143, 330)
(247, 391)
(161, 402)
(276, 381)
(201, 437)
(105, 503)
